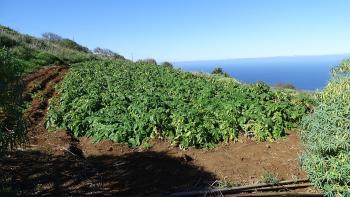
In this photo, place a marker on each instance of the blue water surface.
(304, 72)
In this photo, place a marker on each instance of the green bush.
(73, 45)
(147, 61)
(133, 102)
(23, 52)
(219, 71)
(31, 59)
(47, 58)
(167, 65)
(12, 125)
(6, 41)
(326, 136)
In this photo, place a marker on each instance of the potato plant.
(133, 102)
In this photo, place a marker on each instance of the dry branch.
(250, 188)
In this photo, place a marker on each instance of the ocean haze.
(304, 72)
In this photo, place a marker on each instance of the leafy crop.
(326, 136)
(133, 102)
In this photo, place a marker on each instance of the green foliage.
(73, 45)
(326, 136)
(269, 178)
(133, 102)
(35, 52)
(6, 41)
(167, 65)
(219, 71)
(32, 59)
(147, 61)
(342, 69)
(12, 125)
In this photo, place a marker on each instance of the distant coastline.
(272, 58)
(309, 72)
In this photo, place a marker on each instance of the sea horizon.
(305, 72)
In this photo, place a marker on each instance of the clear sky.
(177, 30)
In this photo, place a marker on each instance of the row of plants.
(326, 136)
(134, 102)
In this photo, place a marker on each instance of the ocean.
(304, 72)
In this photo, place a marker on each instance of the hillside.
(51, 49)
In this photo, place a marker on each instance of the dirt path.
(55, 163)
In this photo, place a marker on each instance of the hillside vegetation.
(326, 135)
(32, 52)
(133, 102)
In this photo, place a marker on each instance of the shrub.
(73, 45)
(147, 61)
(167, 65)
(107, 53)
(6, 41)
(23, 52)
(47, 58)
(12, 126)
(326, 136)
(219, 71)
(269, 178)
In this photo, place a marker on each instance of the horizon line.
(261, 57)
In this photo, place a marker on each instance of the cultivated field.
(94, 123)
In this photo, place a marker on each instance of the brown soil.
(56, 163)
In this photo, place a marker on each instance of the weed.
(269, 178)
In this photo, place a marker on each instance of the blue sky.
(177, 30)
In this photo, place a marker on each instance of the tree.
(219, 71)
(107, 53)
(51, 36)
(167, 65)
